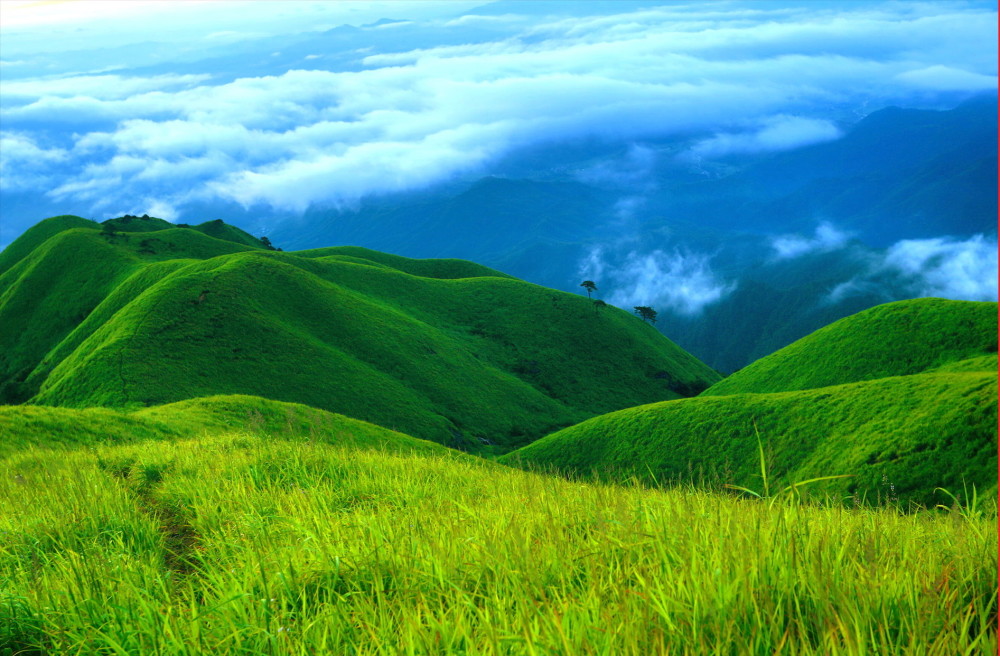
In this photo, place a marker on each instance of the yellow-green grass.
(897, 438)
(29, 426)
(440, 349)
(234, 544)
(895, 339)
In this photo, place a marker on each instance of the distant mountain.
(922, 414)
(895, 174)
(446, 350)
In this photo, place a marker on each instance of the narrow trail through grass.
(300, 547)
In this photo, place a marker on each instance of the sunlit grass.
(240, 544)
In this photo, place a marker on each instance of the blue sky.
(169, 107)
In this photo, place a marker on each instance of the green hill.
(897, 437)
(53, 288)
(217, 228)
(37, 234)
(25, 426)
(442, 349)
(895, 339)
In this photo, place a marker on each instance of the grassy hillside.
(52, 289)
(216, 229)
(25, 427)
(36, 235)
(898, 438)
(441, 349)
(233, 544)
(895, 339)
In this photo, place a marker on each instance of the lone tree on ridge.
(589, 286)
(647, 313)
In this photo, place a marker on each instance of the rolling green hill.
(441, 349)
(901, 397)
(897, 437)
(895, 339)
(217, 228)
(54, 286)
(53, 428)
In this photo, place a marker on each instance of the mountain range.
(653, 224)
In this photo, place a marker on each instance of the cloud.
(825, 238)
(24, 164)
(777, 133)
(679, 281)
(757, 80)
(99, 87)
(945, 78)
(632, 170)
(961, 270)
(964, 270)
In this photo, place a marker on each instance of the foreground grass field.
(241, 543)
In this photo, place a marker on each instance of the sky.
(258, 103)
(169, 108)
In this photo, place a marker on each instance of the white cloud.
(964, 270)
(826, 237)
(24, 164)
(100, 87)
(679, 281)
(760, 80)
(777, 133)
(961, 270)
(945, 78)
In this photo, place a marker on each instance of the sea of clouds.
(749, 77)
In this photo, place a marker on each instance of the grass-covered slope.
(217, 228)
(49, 291)
(29, 426)
(897, 437)
(231, 544)
(895, 339)
(441, 349)
(37, 234)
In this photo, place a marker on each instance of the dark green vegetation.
(895, 339)
(916, 410)
(442, 349)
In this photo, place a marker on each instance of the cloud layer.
(826, 237)
(964, 270)
(678, 281)
(746, 78)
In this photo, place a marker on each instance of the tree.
(598, 304)
(589, 286)
(647, 313)
(267, 244)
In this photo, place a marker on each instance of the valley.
(211, 445)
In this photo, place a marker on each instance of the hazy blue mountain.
(897, 174)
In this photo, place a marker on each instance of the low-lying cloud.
(682, 282)
(826, 237)
(964, 270)
(777, 133)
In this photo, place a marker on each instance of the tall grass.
(236, 544)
